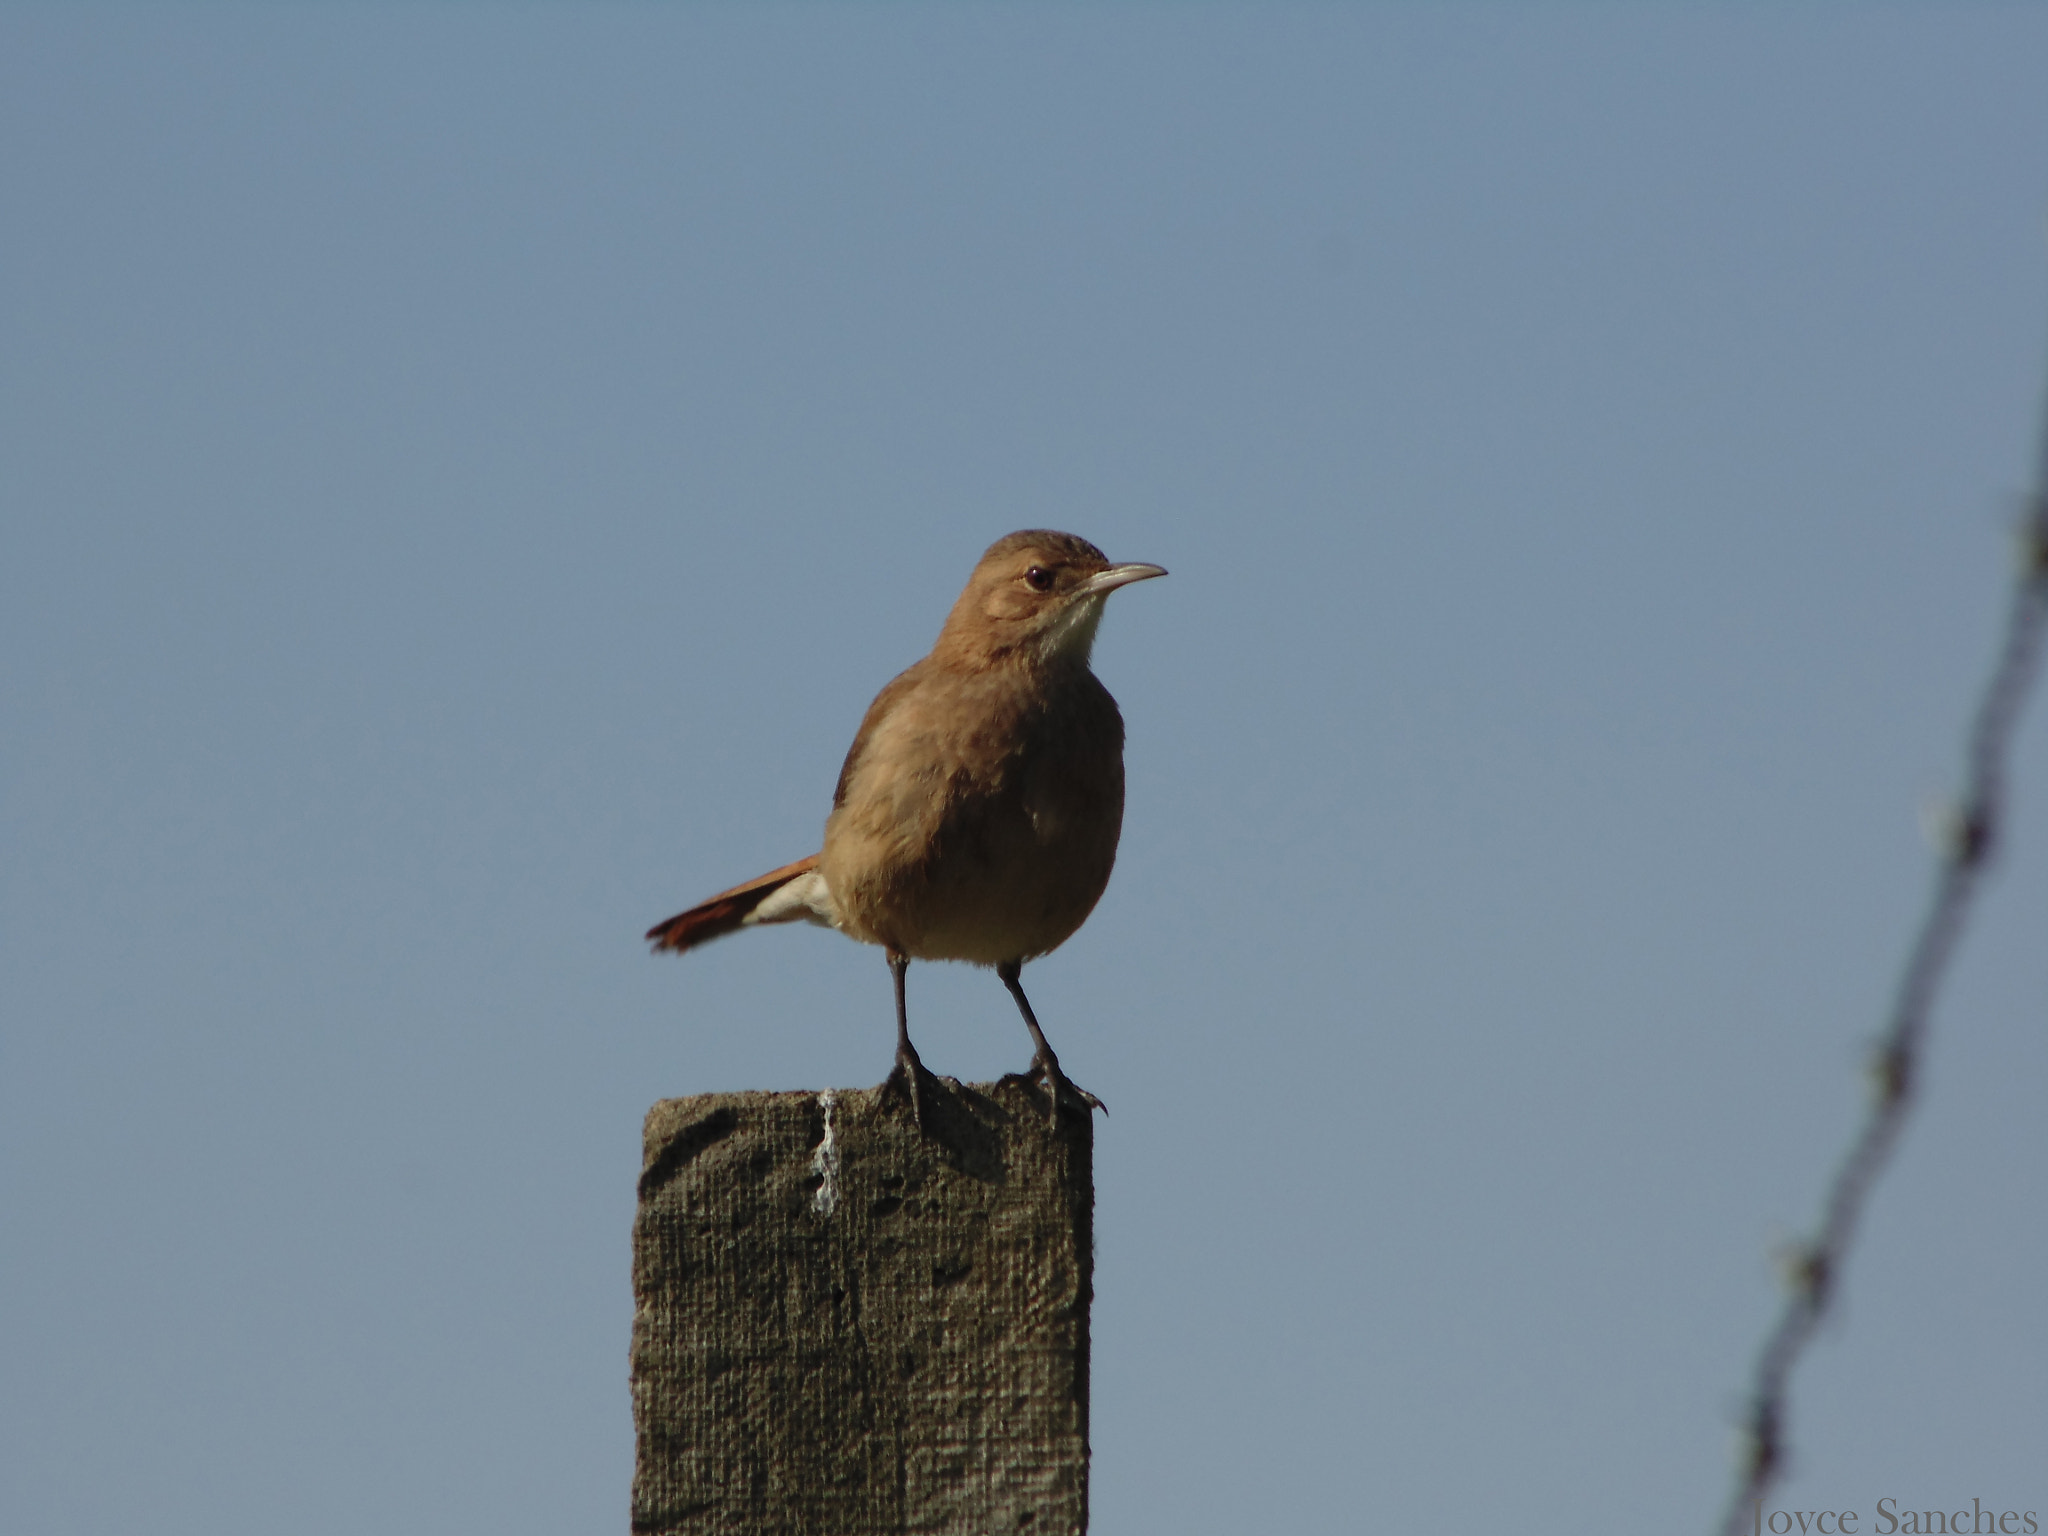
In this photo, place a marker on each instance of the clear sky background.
(465, 471)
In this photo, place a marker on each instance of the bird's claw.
(908, 1076)
(1045, 1071)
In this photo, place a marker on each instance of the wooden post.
(847, 1327)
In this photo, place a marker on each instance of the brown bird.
(978, 810)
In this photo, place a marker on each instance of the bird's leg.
(1043, 1063)
(908, 1067)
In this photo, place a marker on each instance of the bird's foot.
(908, 1077)
(1045, 1070)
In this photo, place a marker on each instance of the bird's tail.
(794, 893)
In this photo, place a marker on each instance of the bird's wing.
(885, 703)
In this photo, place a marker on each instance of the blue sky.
(465, 472)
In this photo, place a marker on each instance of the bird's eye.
(1040, 578)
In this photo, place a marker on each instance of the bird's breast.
(978, 816)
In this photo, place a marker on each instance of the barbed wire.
(1971, 835)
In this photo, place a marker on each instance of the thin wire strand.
(1816, 1270)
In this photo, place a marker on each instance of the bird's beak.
(1118, 576)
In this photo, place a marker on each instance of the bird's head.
(1036, 595)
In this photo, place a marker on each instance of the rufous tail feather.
(728, 911)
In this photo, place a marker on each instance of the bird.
(977, 812)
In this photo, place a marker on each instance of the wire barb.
(1815, 1274)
